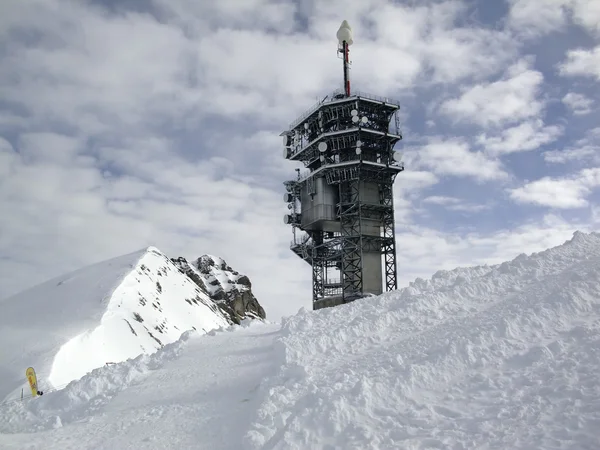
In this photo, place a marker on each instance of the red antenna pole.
(344, 36)
(346, 69)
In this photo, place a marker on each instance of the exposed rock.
(229, 289)
(184, 266)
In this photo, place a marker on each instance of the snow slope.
(105, 313)
(493, 357)
(198, 392)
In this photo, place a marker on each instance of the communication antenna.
(344, 35)
(344, 203)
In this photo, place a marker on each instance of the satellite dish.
(290, 206)
(286, 152)
(287, 197)
(359, 143)
(306, 126)
(398, 156)
(358, 151)
(322, 158)
(322, 147)
(354, 112)
(287, 219)
(344, 33)
(355, 119)
(364, 119)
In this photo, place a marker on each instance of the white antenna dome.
(344, 33)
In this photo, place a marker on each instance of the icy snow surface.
(497, 357)
(104, 313)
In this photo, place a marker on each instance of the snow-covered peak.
(104, 313)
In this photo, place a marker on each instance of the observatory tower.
(342, 208)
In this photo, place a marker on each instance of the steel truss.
(342, 251)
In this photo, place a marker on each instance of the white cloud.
(571, 154)
(532, 18)
(583, 150)
(425, 250)
(466, 52)
(74, 214)
(441, 200)
(526, 136)
(454, 204)
(503, 102)
(408, 187)
(453, 157)
(582, 62)
(469, 207)
(411, 180)
(578, 103)
(563, 193)
(123, 129)
(587, 14)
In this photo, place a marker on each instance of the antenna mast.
(344, 203)
(344, 35)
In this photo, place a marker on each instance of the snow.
(105, 313)
(185, 395)
(490, 357)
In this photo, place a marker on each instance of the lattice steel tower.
(344, 205)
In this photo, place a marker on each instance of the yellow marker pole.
(31, 377)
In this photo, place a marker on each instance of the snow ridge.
(490, 357)
(153, 306)
(105, 313)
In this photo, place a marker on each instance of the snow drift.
(490, 357)
(104, 313)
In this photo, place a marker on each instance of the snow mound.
(83, 398)
(105, 313)
(506, 356)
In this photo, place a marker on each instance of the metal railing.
(362, 94)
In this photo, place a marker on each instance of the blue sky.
(128, 124)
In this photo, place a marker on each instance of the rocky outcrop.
(229, 289)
